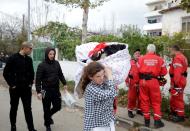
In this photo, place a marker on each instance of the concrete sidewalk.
(123, 116)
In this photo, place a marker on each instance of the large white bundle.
(119, 62)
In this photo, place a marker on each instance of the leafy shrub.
(122, 98)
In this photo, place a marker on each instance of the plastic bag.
(68, 99)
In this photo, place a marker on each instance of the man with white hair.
(151, 66)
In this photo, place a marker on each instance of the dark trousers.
(51, 104)
(26, 96)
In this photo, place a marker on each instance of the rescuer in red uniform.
(151, 67)
(178, 74)
(132, 82)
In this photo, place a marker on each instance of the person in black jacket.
(19, 75)
(48, 75)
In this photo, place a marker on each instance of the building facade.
(153, 26)
(175, 19)
(168, 19)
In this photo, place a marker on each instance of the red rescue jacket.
(152, 64)
(177, 71)
(133, 77)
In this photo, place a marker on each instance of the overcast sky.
(115, 11)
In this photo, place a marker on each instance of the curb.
(128, 122)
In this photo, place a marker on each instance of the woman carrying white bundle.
(99, 92)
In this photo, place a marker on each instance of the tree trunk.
(84, 24)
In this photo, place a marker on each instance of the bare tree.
(85, 5)
(10, 26)
(41, 13)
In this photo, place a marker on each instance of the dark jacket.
(19, 71)
(49, 73)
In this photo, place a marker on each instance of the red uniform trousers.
(150, 95)
(133, 92)
(177, 104)
(133, 98)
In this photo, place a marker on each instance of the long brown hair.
(89, 71)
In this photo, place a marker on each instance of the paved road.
(65, 120)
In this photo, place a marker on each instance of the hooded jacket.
(49, 73)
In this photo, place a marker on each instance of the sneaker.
(130, 114)
(147, 122)
(178, 119)
(48, 128)
(158, 124)
(13, 128)
(139, 112)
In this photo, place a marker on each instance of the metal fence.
(38, 56)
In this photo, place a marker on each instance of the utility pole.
(29, 30)
(23, 24)
(113, 24)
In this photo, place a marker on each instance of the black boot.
(130, 114)
(147, 122)
(173, 113)
(178, 119)
(48, 128)
(13, 128)
(158, 124)
(139, 112)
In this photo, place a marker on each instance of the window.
(183, 27)
(170, 5)
(154, 20)
(173, 3)
(186, 24)
(154, 33)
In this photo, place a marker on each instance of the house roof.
(170, 9)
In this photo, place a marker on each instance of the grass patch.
(122, 98)
(165, 108)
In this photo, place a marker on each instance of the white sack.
(68, 99)
(118, 62)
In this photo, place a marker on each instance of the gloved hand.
(162, 80)
(173, 92)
